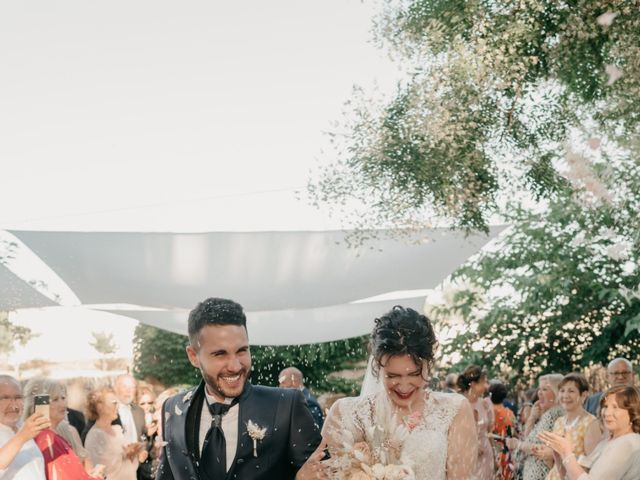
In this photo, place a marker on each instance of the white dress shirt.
(28, 464)
(128, 425)
(229, 427)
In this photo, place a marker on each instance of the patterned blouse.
(534, 468)
(577, 432)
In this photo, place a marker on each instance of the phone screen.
(41, 403)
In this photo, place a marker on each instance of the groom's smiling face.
(223, 357)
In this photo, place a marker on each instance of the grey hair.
(620, 360)
(39, 386)
(9, 378)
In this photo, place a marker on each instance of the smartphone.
(41, 403)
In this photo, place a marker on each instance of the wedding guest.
(61, 461)
(473, 384)
(226, 427)
(20, 458)
(530, 397)
(145, 399)
(619, 372)
(106, 443)
(158, 441)
(450, 384)
(399, 421)
(76, 419)
(291, 377)
(131, 415)
(504, 427)
(580, 425)
(543, 416)
(615, 458)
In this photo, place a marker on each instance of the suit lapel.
(186, 414)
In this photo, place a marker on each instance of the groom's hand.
(314, 468)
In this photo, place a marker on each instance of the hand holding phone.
(41, 403)
(33, 425)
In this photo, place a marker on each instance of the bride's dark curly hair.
(403, 331)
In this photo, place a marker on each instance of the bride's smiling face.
(403, 380)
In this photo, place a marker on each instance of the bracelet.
(568, 457)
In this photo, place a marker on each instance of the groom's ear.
(193, 356)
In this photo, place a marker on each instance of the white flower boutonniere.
(256, 433)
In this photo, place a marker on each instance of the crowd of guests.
(559, 431)
(115, 439)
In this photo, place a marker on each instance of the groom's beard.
(226, 385)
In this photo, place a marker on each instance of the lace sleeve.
(340, 427)
(462, 452)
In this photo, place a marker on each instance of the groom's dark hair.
(215, 311)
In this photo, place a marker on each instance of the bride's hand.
(314, 468)
(362, 452)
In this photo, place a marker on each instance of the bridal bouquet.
(376, 458)
(357, 463)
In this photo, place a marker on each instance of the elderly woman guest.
(577, 423)
(473, 384)
(545, 412)
(615, 458)
(106, 443)
(61, 462)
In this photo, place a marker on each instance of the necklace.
(574, 422)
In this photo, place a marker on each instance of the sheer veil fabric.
(372, 383)
(439, 443)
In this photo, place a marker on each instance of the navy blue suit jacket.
(291, 437)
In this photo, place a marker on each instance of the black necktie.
(213, 459)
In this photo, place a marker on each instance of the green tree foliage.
(103, 343)
(161, 356)
(561, 290)
(316, 362)
(11, 334)
(490, 91)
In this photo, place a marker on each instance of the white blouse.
(616, 459)
(28, 464)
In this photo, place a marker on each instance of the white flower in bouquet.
(387, 472)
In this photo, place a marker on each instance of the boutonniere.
(188, 396)
(256, 433)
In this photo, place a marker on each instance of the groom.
(227, 428)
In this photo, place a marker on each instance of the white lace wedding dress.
(439, 444)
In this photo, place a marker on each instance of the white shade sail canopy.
(297, 287)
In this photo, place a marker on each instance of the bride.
(403, 430)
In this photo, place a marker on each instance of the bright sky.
(169, 116)
(174, 116)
